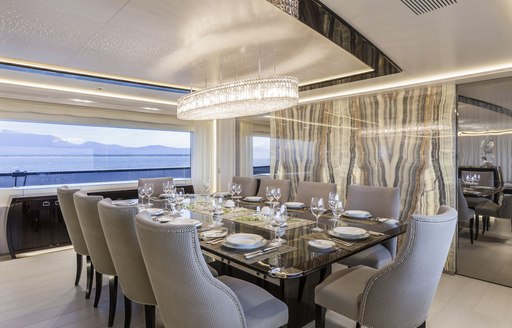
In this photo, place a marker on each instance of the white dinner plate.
(153, 211)
(244, 241)
(125, 202)
(321, 244)
(351, 233)
(294, 204)
(222, 194)
(185, 221)
(357, 214)
(253, 199)
(213, 234)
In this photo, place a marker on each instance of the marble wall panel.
(404, 139)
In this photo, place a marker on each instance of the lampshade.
(240, 98)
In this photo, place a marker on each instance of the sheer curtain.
(203, 154)
(245, 160)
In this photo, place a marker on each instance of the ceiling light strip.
(84, 92)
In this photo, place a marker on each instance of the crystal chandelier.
(240, 98)
(291, 7)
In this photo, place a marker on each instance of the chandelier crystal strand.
(240, 98)
(291, 7)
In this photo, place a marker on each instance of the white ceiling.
(190, 42)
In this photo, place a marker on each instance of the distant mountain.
(14, 143)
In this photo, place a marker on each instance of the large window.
(41, 154)
(261, 155)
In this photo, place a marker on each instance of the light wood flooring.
(38, 291)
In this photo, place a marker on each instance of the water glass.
(148, 190)
(238, 189)
(333, 198)
(269, 192)
(206, 186)
(171, 200)
(278, 223)
(142, 193)
(317, 209)
(337, 210)
(276, 194)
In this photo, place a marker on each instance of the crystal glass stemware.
(148, 190)
(171, 200)
(269, 192)
(142, 193)
(277, 194)
(206, 186)
(317, 209)
(278, 223)
(333, 198)
(180, 198)
(337, 210)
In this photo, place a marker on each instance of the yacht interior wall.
(403, 138)
(469, 152)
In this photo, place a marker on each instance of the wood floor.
(38, 291)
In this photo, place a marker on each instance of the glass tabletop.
(298, 256)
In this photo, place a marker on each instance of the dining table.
(290, 270)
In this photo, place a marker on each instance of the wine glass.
(206, 186)
(217, 204)
(278, 223)
(277, 194)
(148, 190)
(166, 187)
(238, 190)
(337, 210)
(171, 200)
(333, 198)
(180, 197)
(232, 189)
(269, 192)
(317, 209)
(142, 193)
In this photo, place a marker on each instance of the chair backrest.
(118, 224)
(67, 206)
(87, 211)
(400, 294)
(462, 205)
(249, 185)
(379, 201)
(307, 190)
(158, 187)
(186, 292)
(285, 186)
(506, 208)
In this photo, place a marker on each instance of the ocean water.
(10, 164)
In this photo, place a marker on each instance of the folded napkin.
(388, 221)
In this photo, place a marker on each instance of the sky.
(78, 134)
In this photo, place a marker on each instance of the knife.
(260, 252)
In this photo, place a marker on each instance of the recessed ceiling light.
(151, 108)
(82, 100)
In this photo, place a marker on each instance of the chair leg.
(90, 276)
(127, 312)
(488, 223)
(149, 312)
(78, 268)
(484, 224)
(358, 325)
(99, 284)
(477, 225)
(319, 316)
(112, 288)
(471, 222)
(423, 325)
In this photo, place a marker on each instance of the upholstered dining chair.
(158, 187)
(249, 185)
(285, 186)
(491, 209)
(87, 211)
(307, 190)
(67, 206)
(118, 224)
(465, 214)
(380, 202)
(398, 295)
(187, 293)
